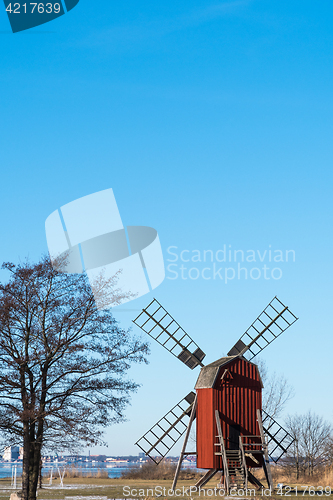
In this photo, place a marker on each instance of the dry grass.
(113, 488)
(280, 475)
(77, 484)
(165, 472)
(328, 478)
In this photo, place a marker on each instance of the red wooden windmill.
(234, 434)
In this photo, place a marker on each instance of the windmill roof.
(208, 374)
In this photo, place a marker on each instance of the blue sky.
(212, 122)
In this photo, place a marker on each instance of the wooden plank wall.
(237, 396)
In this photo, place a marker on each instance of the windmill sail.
(270, 324)
(278, 439)
(160, 325)
(159, 440)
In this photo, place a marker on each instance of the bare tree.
(329, 451)
(313, 436)
(63, 362)
(277, 391)
(294, 460)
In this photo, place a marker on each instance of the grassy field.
(114, 488)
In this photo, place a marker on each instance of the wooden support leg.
(266, 464)
(268, 474)
(209, 474)
(254, 480)
(181, 457)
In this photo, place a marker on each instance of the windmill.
(234, 433)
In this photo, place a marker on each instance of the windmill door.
(233, 439)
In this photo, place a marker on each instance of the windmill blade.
(278, 439)
(161, 326)
(270, 324)
(159, 440)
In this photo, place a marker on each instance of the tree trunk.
(34, 472)
(26, 461)
(40, 474)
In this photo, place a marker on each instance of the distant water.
(6, 469)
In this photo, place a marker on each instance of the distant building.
(11, 453)
(97, 458)
(142, 455)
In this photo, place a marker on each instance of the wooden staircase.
(236, 472)
(234, 464)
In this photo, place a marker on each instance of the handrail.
(243, 460)
(248, 445)
(223, 453)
